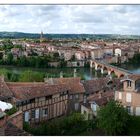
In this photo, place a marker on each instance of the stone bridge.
(109, 69)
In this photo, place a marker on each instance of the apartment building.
(129, 94)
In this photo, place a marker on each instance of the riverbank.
(13, 74)
(132, 65)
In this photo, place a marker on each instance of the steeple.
(41, 35)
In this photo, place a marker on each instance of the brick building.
(129, 94)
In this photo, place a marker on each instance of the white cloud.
(117, 19)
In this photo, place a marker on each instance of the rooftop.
(24, 91)
(73, 83)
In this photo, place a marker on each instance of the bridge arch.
(113, 74)
(121, 76)
(111, 70)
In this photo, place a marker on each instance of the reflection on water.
(84, 73)
(136, 71)
(132, 68)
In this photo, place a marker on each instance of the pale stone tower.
(41, 36)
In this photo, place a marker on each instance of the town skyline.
(71, 19)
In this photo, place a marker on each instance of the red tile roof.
(96, 85)
(24, 91)
(4, 90)
(101, 98)
(73, 84)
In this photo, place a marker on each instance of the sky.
(88, 19)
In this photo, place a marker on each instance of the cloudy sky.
(94, 19)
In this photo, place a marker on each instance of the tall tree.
(113, 118)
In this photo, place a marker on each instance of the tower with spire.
(41, 36)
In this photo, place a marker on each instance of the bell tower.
(41, 36)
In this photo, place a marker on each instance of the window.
(137, 111)
(26, 116)
(76, 96)
(48, 97)
(33, 114)
(45, 112)
(128, 97)
(37, 113)
(76, 106)
(32, 100)
(128, 83)
(18, 103)
(70, 96)
(128, 109)
(93, 107)
(120, 95)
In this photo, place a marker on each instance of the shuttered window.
(120, 95)
(128, 97)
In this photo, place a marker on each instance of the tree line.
(32, 61)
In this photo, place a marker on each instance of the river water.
(84, 73)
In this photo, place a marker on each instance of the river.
(84, 73)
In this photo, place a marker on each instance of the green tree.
(9, 58)
(56, 55)
(67, 125)
(113, 118)
(4, 72)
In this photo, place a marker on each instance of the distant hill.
(60, 36)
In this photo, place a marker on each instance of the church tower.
(41, 36)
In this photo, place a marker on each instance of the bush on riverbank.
(34, 76)
(65, 126)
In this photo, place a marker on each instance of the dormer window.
(129, 83)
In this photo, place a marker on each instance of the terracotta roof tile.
(96, 85)
(23, 91)
(73, 84)
(4, 90)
